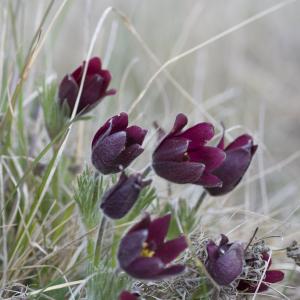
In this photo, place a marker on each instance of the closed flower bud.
(95, 87)
(115, 145)
(119, 199)
(224, 262)
(183, 157)
(239, 155)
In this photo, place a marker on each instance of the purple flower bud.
(238, 158)
(128, 296)
(115, 145)
(144, 254)
(271, 276)
(119, 199)
(94, 88)
(183, 157)
(224, 262)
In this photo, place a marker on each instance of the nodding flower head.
(95, 86)
(239, 154)
(225, 261)
(115, 145)
(119, 199)
(144, 254)
(183, 156)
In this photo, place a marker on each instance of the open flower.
(144, 254)
(271, 276)
(224, 262)
(239, 154)
(128, 296)
(115, 145)
(183, 157)
(95, 86)
(119, 199)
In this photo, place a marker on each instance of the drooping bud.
(119, 199)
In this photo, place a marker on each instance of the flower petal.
(180, 121)
(91, 94)
(212, 251)
(145, 268)
(112, 125)
(172, 149)
(211, 157)
(198, 134)
(168, 251)
(105, 74)
(135, 135)
(129, 154)
(246, 286)
(94, 66)
(106, 151)
(243, 141)
(68, 90)
(130, 247)
(158, 229)
(274, 276)
(231, 171)
(128, 296)
(141, 225)
(224, 240)
(179, 172)
(209, 180)
(119, 122)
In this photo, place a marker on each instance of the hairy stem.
(97, 254)
(200, 200)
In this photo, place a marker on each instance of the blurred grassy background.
(248, 79)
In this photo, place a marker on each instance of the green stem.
(200, 201)
(97, 254)
(147, 170)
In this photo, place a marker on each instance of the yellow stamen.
(146, 252)
(185, 156)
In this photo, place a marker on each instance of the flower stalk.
(200, 201)
(98, 247)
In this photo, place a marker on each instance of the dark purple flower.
(183, 157)
(115, 145)
(119, 199)
(239, 154)
(144, 254)
(128, 296)
(94, 88)
(271, 276)
(224, 262)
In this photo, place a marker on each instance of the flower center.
(146, 251)
(186, 156)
